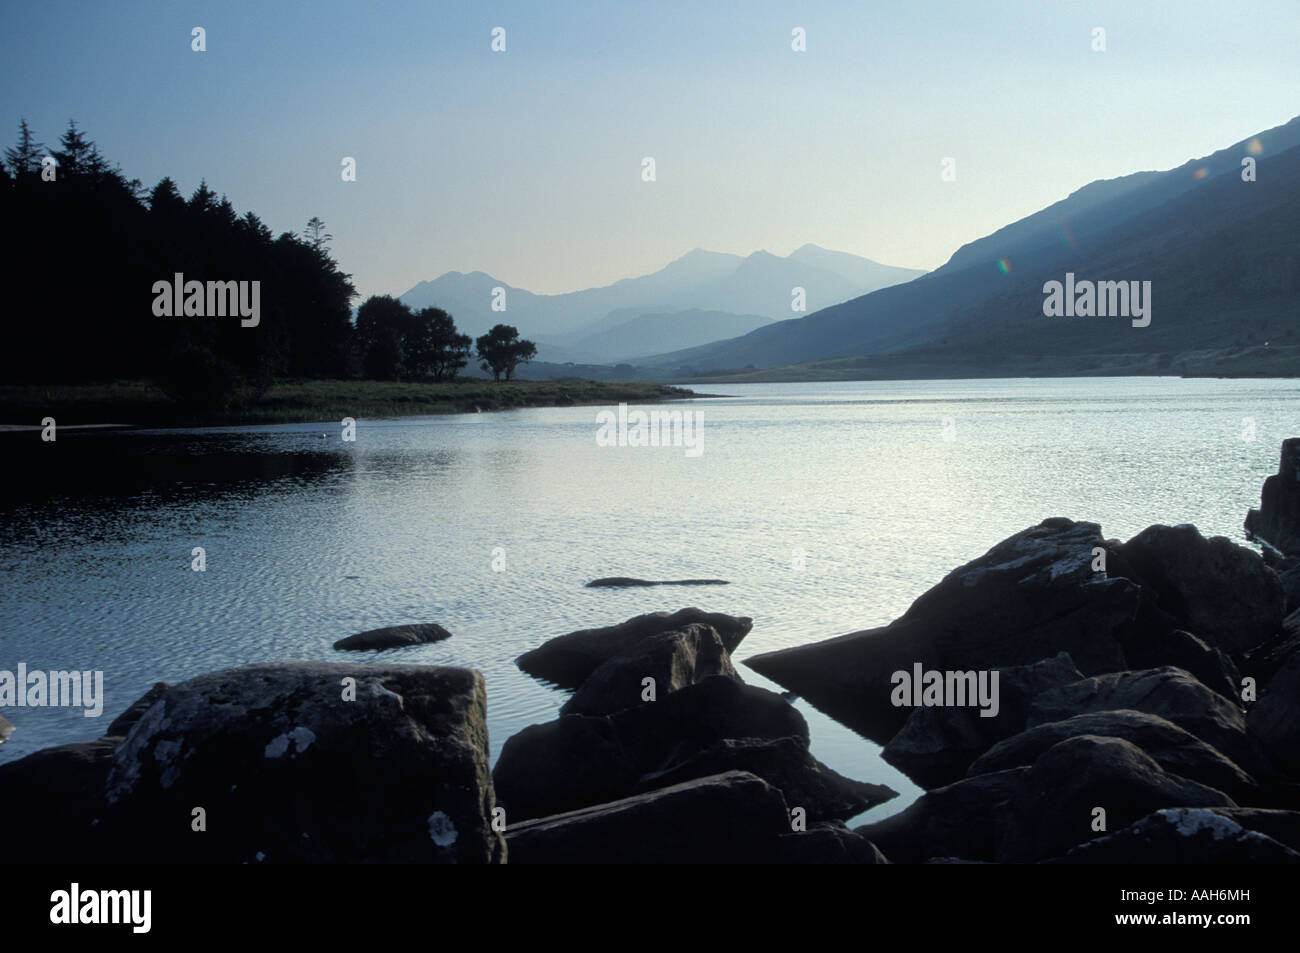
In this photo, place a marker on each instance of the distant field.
(138, 402)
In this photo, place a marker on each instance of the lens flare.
(1004, 265)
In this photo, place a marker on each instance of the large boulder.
(672, 659)
(395, 636)
(1277, 521)
(1212, 667)
(729, 818)
(580, 760)
(936, 745)
(785, 763)
(569, 660)
(1275, 719)
(1183, 836)
(1053, 808)
(1221, 592)
(1170, 692)
(1174, 749)
(960, 820)
(309, 762)
(1031, 597)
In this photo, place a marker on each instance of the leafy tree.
(435, 346)
(501, 350)
(383, 324)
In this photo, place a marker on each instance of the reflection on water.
(310, 539)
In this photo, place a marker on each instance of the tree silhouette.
(501, 351)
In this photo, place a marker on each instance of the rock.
(1170, 692)
(1174, 749)
(1211, 667)
(579, 760)
(6, 729)
(49, 799)
(1289, 574)
(1031, 597)
(1275, 718)
(288, 770)
(569, 660)
(125, 721)
(829, 842)
(1053, 806)
(960, 820)
(1183, 836)
(1277, 521)
(785, 763)
(618, 582)
(726, 818)
(1223, 593)
(673, 659)
(936, 745)
(394, 636)
(1282, 826)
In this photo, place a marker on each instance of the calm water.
(309, 539)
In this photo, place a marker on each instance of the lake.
(829, 507)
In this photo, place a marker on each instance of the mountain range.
(1220, 247)
(700, 297)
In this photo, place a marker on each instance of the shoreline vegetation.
(137, 403)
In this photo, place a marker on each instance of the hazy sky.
(527, 164)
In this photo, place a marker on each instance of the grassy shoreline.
(140, 404)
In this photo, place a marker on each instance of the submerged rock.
(1031, 597)
(394, 636)
(620, 582)
(568, 660)
(1277, 521)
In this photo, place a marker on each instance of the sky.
(528, 163)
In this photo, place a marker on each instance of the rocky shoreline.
(1064, 698)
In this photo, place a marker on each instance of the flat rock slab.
(569, 660)
(395, 636)
(620, 582)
